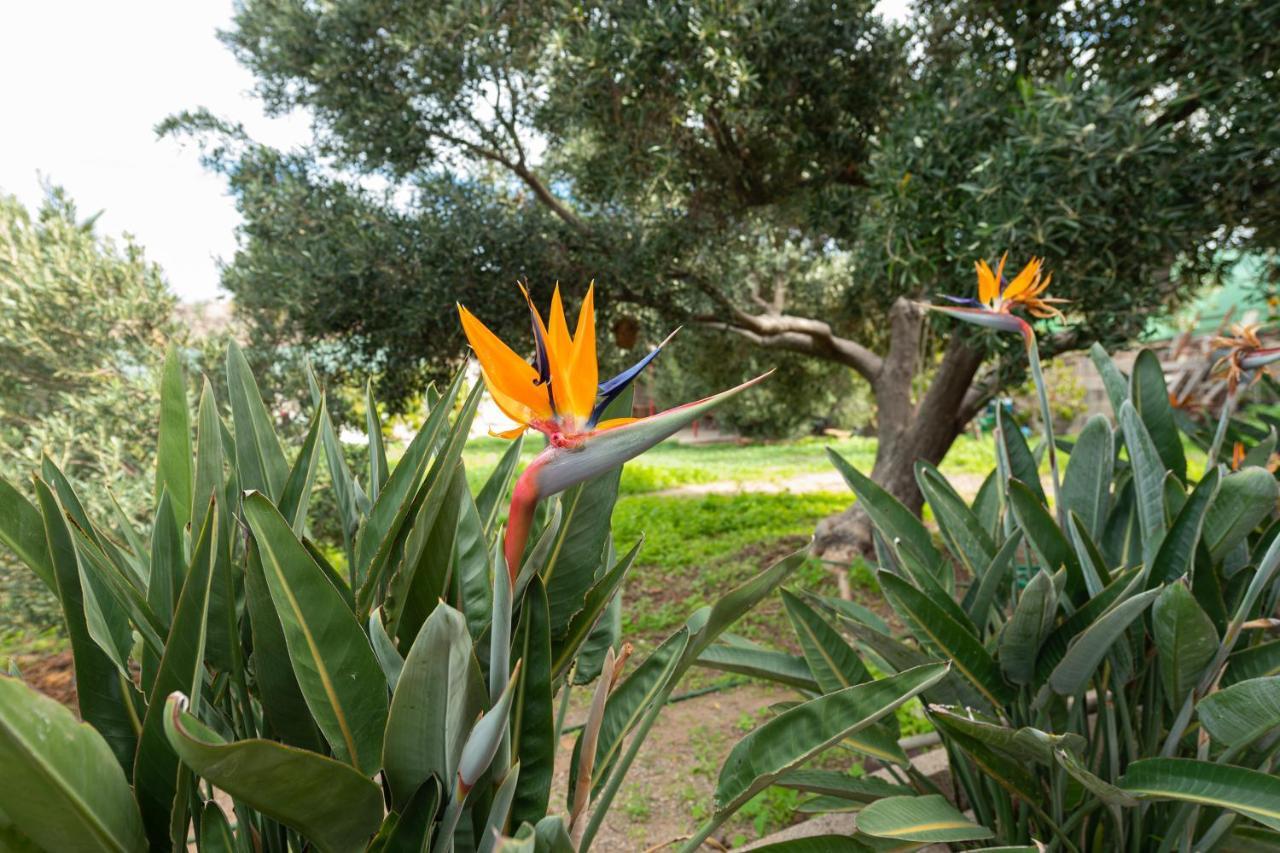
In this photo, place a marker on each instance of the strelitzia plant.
(392, 690)
(1244, 361)
(559, 395)
(994, 309)
(1125, 697)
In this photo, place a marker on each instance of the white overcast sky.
(82, 85)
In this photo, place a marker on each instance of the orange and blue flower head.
(1246, 358)
(558, 391)
(998, 297)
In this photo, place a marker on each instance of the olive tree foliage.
(84, 321)
(797, 176)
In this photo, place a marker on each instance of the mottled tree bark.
(907, 431)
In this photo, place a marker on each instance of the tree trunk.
(905, 432)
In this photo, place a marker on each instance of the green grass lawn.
(671, 464)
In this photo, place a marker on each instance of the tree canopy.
(791, 174)
(83, 331)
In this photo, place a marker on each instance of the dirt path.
(668, 792)
(819, 481)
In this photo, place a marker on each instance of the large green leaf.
(210, 474)
(106, 584)
(377, 450)
(1148, 480)
(1024, 744)
(578, 547)
(167, 570)
(115, 604)
(100, 688)
(1186, 639)
(1010, 774)
(1055, 645)
(604, 590)
(833, 783)
(216, 835)
(1022, 463)
(296, 496)
(1031, 622)
(500, 813)
(896, 523)
(1252, 662)
(533, 735)
(378, 534)
(426, 570)
(755, 661)
(329, 802)
(1117, 387)
(929, 818)
(438, 697)
(981, 595)
(259, 457)
(341, 479)
(1150, 397)
(1093, 565)
(950, 640)
(415, 822)
(843, 609)
(155, 770)
(1244, 499)
(331, 657)
(963, 532)
(1253, 794)
(1179, 546)
(1096, 785)
(1238, 715)
(173, 444)
(787, 741)
(61, 785)
(986, 504)
(22, 530)
(472, 566)
(283, 704)
(1072, 674)
(1086, 486)
(834, 663)
(1046, 537)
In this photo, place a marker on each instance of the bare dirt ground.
(52, 675)
(668, 792)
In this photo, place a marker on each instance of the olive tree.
(798, 176)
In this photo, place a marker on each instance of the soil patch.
(668, 792)
(52, 675)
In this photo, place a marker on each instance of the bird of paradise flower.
(559, 394)
(1244, 361)
(993, 309)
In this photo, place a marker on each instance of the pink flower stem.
(524, 500)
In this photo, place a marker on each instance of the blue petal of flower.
(541, 362)
(610, 389)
